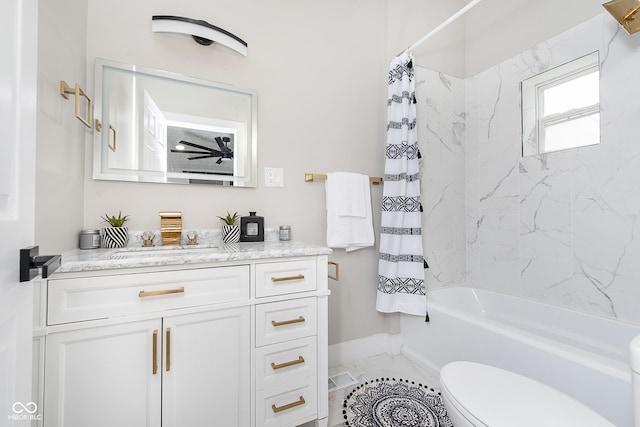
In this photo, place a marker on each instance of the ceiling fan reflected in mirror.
(224, 152)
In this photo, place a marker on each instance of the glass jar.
(89, 239)
(284, 233)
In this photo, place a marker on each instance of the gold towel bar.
(310, 177)
(336, 277)
(77, 91)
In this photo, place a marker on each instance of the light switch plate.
(273, 177)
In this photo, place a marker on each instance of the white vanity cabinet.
(101, 376)
(287, 340)
(223, 344)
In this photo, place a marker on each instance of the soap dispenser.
(252, 228)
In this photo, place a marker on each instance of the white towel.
(349, 223)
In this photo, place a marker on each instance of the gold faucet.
(170, 228)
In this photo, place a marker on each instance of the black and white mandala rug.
(389, 402)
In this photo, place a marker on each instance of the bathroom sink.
(163, 251)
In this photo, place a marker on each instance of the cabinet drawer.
(88, 298)
(284, 362)
(285, 320)
(288, 277)
(288, 404)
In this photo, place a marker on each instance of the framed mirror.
(156, 126)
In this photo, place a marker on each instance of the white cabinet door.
(104, 376)
(206, 369)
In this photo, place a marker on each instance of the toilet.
(477, 395)
(634, 353)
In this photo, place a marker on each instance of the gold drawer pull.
(154, 365)
(285, 364)
(284, 279)
(143, 294)
(288, 405)
(288, 322)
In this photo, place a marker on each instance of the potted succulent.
(117, 235)
(230, 231)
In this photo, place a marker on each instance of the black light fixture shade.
(201, 31)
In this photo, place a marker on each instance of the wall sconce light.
(201, 31)
(625, 13)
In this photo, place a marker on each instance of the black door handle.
(31, 263)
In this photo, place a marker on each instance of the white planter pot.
(230, 233)
(115, 237)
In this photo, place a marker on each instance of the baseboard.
(348, 351)
(419, 360)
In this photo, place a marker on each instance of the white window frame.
(534, 121)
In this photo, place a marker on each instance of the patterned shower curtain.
(401, 265)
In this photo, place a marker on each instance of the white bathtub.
(582, 355)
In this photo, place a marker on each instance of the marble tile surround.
(562, 228)
(441, 139)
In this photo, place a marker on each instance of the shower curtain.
(401, 263)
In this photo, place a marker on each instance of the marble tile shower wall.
(562, 228)
(441, 136)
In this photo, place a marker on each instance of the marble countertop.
(138, 256)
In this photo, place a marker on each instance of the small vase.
(230, 233)
(115, 237)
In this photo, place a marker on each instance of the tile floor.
(382, 365)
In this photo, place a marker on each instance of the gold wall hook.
(77, 91)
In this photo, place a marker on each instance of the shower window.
(561, 107)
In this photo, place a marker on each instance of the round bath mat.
(387, 402)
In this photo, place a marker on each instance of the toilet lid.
(499, 398)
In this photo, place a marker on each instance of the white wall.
(60, 147)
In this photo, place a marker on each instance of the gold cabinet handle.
(286, 364)
(284, 279)
(288, 322)
(143, 294)
(154, 362)
(168, 355)
(299, 402)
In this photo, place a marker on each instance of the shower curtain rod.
(442, 25)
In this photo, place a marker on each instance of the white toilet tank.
(634, 361)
